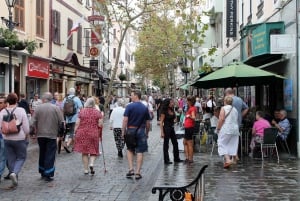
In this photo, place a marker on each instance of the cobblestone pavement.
(71, 184)
(249, 180)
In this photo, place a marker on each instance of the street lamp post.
(185, 71)
(121, 66)
(10, 24)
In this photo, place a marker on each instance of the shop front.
(83, 83)
(37, 76)
(4, 71)
(56, 78)
(258, 49)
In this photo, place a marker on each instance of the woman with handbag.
(228, 131)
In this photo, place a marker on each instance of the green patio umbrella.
(185, 86)
(236, 74)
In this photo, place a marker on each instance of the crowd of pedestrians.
(78, 123)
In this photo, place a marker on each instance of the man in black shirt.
(24, 104)
(158, 102)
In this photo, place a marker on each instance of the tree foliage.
(10, 39)
(168, 35)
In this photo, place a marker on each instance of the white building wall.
(76, 11)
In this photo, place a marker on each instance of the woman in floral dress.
(88, 129)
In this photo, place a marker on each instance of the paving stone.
(248, 180)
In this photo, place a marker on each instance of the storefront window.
(2, 84)
(56, 86)
(32, 87)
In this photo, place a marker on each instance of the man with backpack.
(71, 107)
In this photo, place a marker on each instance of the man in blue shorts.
(137, 122)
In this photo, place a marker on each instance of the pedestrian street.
(249, 180)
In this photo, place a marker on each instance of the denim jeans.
(16, 153)
(2, 156)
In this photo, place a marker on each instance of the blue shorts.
(141, 141)
(70, 130)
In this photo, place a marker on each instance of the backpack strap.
(10, 113)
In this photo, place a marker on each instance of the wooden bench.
(177, 193)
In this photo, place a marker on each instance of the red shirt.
(189, 122)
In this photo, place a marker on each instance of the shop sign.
(37, 68)
(94, 64)
(69, 71)
(84, 80)
(94, 51)
(96, 18)
(231, 23)
(57, 69)
(255, 39)
(82, 74)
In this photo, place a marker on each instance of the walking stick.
(103, 158)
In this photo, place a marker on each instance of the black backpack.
(69, 107)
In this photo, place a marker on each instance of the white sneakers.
(14, 179)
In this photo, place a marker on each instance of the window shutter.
(53, 26)
(58, 27)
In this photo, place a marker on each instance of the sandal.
(130, 174)
(138, 176)
(227, 165)
(92, 170)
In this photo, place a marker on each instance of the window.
(70, 39)
(40, 18)
(114, 52)
(87, 43)
(19, 14)
(87, 4)
(115, 33)
(56, 27)
(79, 40)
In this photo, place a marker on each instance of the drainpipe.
(298, 73)
(50, 28)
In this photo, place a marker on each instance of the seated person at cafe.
(258, 130)
(214, 122)
(207, 114)
(283, 125)
(215, 118)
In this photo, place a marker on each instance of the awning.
(103, 75)
(4, 59)
(185, 86)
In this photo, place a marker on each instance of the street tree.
(126, 14)
(166, 37)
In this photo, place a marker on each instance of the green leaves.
(10, 39)
(122, 77)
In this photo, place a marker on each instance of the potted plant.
(10, 39)
(185, 69)
(20, 45)
(3, 42)
(122, 77)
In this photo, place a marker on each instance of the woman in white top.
(116, 120)
(15, 144)
(228, 131)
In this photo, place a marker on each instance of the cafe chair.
(196, 133)
(269, 142)
(284, 144)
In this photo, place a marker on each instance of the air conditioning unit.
(279, 4)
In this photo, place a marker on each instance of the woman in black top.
(167, 118)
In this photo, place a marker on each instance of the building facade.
(263, 34)
(63, 31)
